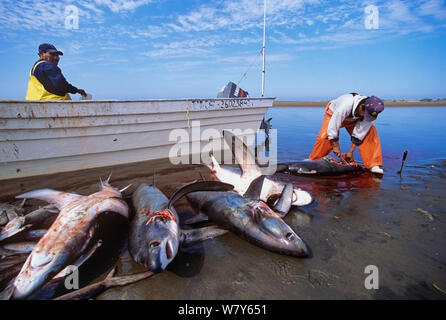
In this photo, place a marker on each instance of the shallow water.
(417, 129)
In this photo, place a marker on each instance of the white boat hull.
(45, 137)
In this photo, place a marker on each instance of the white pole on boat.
(263, 48)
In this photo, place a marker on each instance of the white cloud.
(434, 8)
(400, 12)
(30, 14)
(237, 15)
(122, 5)
(41, 14)
(168, 52)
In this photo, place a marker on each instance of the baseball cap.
(46, 47)
(373, 106)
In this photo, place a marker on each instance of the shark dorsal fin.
(255, 188)
(244, 157)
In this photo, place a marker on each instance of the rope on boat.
(249, 68)
(187, 113)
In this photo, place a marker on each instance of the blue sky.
(191, 48)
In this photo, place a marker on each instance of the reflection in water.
(331, 190)
(298, 218)
(332, 184)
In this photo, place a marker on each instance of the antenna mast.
(263, 48)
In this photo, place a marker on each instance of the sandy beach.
(396, 223)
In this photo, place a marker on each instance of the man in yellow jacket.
(46, 81)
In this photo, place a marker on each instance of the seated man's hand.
(82, 92)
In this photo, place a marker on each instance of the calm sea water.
(420, 130)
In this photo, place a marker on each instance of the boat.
(48, 137)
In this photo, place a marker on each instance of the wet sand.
(397, 224)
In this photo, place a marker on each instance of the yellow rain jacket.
(36, 90)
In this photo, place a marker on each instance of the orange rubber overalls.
(369, 149)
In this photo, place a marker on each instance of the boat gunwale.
(138, 100)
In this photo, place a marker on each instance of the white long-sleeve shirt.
(344, 107)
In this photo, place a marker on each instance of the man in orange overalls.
(355, 113)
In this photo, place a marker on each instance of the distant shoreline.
(390, 103)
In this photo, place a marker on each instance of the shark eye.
(154, 243)
(289, 236)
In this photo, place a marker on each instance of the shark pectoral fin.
(58, 198)
(39, 259)
(13, 227)
(200, 217)
(255, 188)
(111, 204)
(283, 206)
(194, 236)
(244, 157)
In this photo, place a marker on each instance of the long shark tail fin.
(199, 186)
(58, 198)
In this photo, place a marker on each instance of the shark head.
(275, 234)
(46, 260)
(162, 239)
(68, 237)
(154, 232)
(35, 272)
